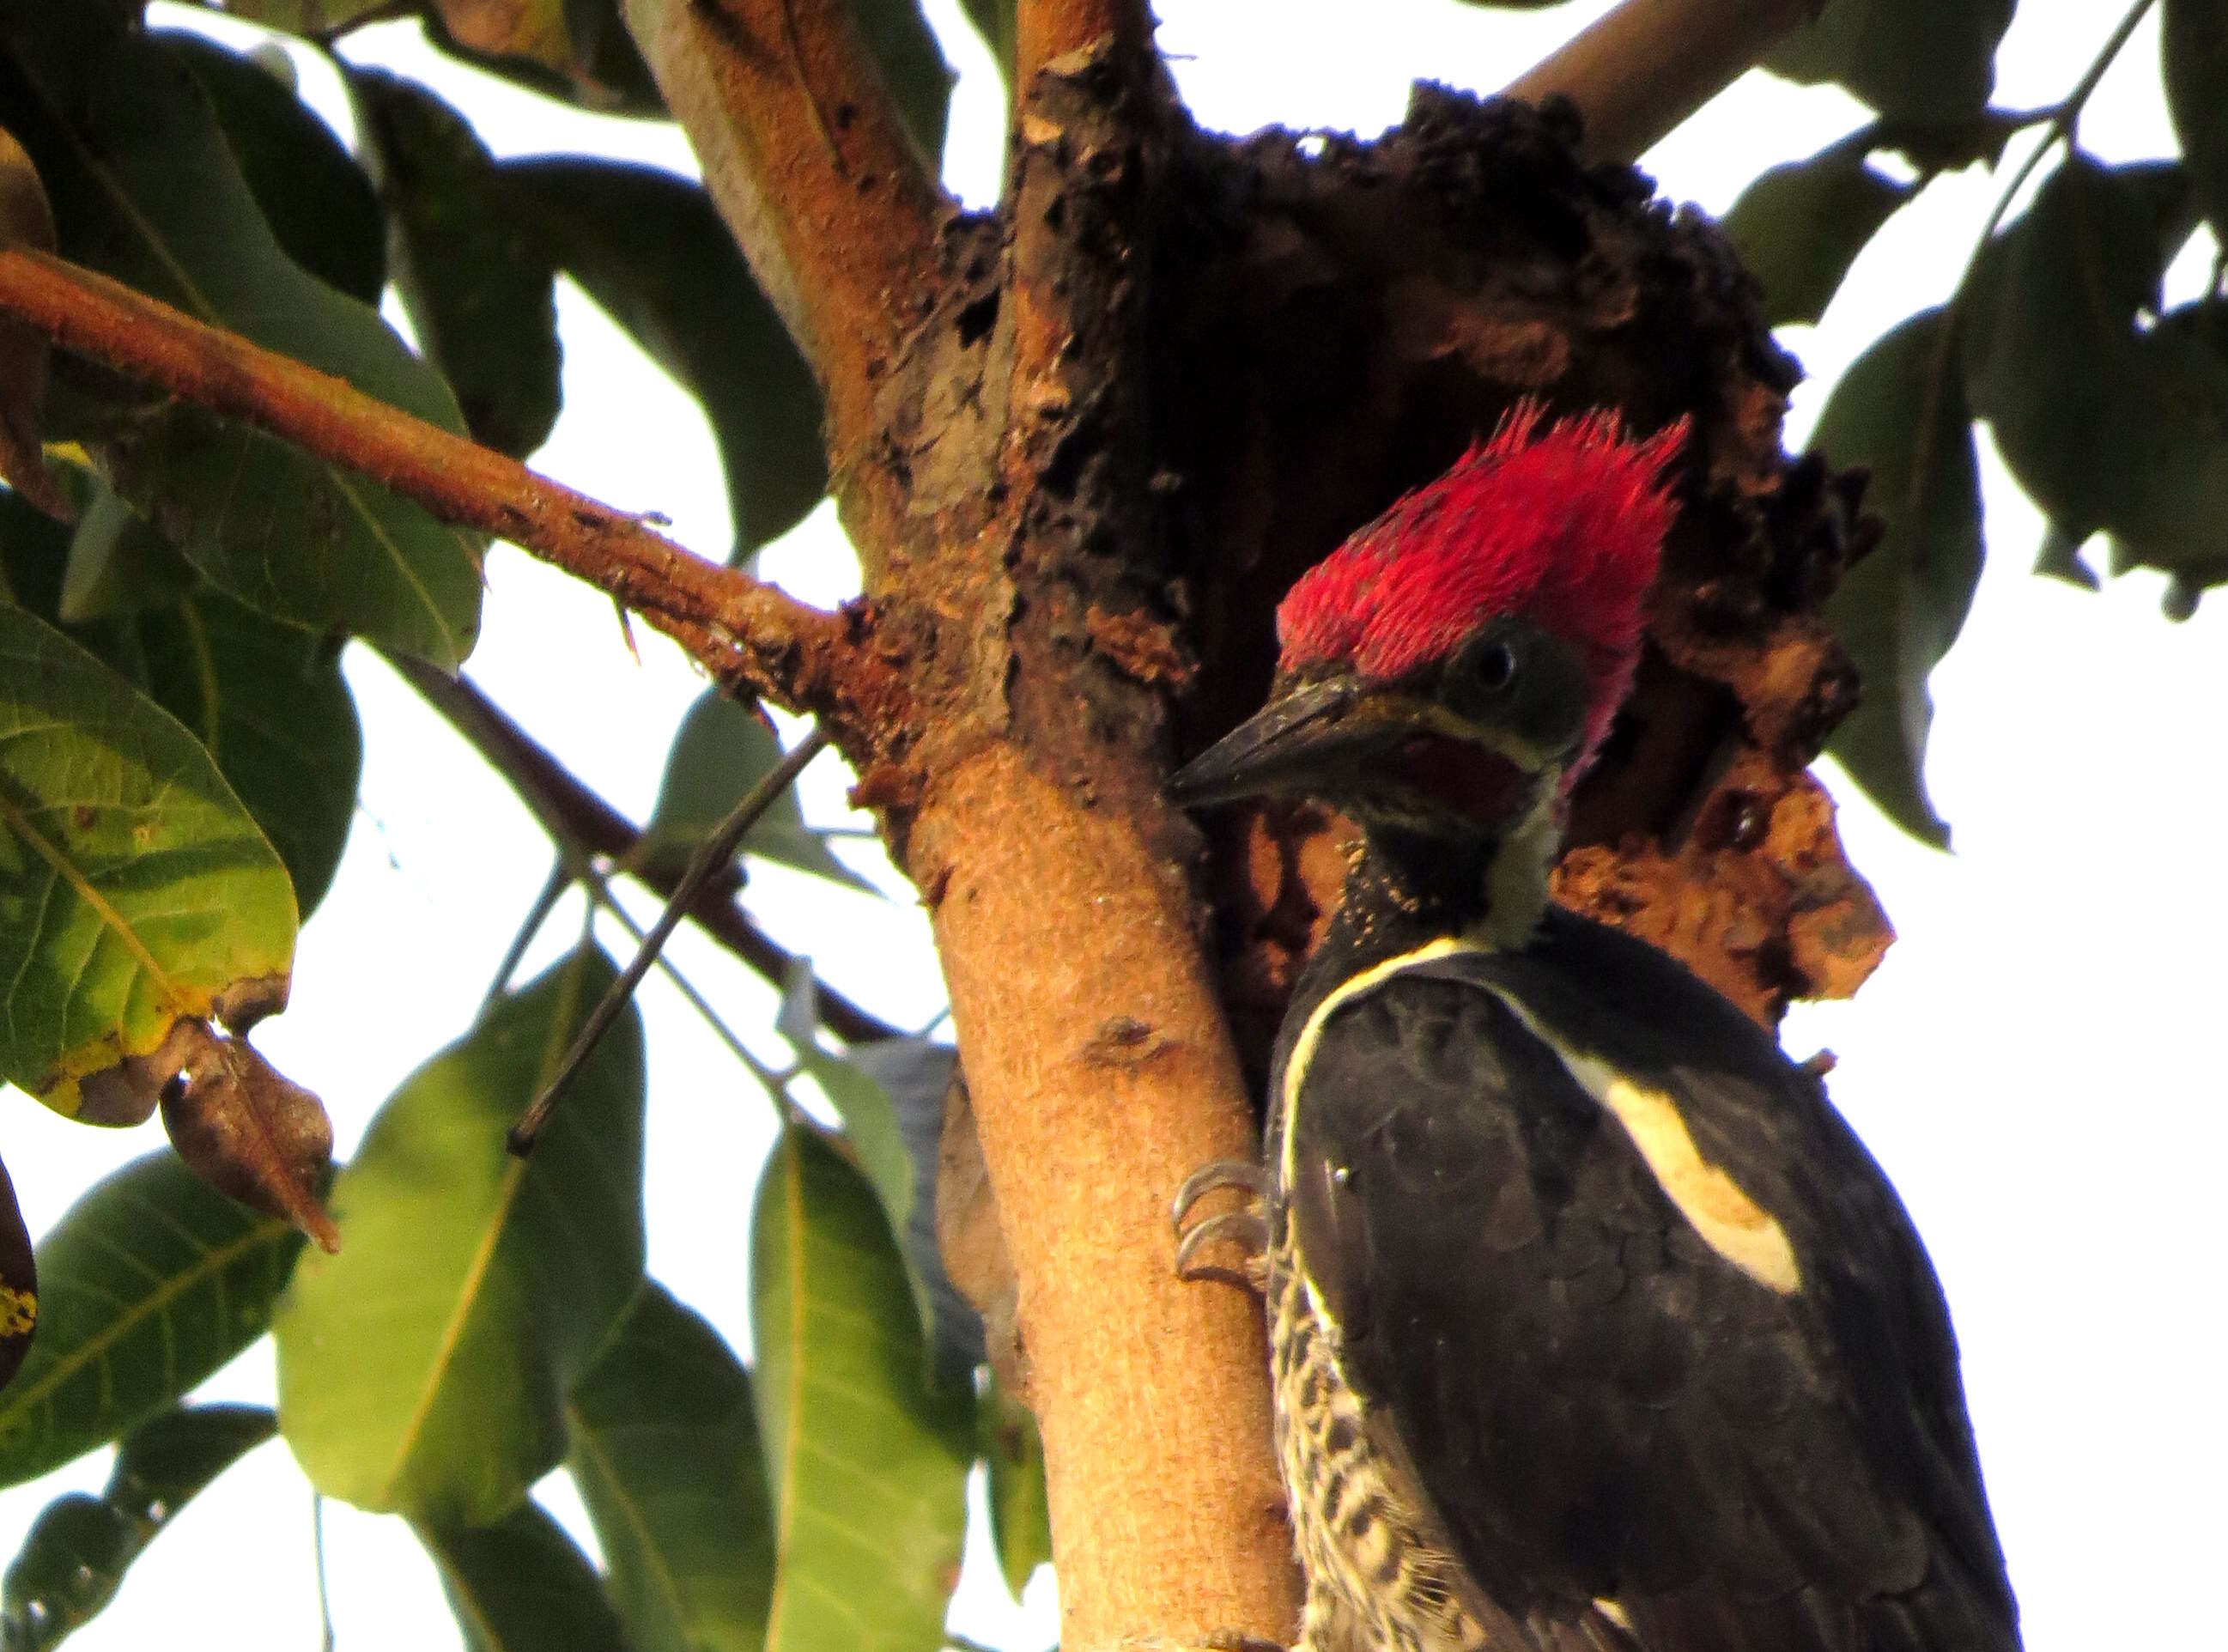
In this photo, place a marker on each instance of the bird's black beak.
(1307, 735)
(1382, 754)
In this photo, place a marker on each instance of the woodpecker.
(1593, 1325)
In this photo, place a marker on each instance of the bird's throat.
(1407, 889)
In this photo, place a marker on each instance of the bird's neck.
(1407, 890)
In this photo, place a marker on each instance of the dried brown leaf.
(246, 1129)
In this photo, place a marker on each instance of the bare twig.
(714, 855)
(1940, 370)
(575, 816)
(805, 155)
(740, 629)
(545, 902)
(1640, 70)
(325, 1638)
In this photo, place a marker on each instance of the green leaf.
(665, 1450)
(2194, 57)
(478, 288)
(119, 561)
(424, 1369)
(650, 248)
(74, 1556)
(268, 702)
(915, 1075)
(904, 48)
(870, 1122)
(1800, 225)
(2058, 557)
(169, 1459)
(722, 750)
(145, 189)
(134, 888)
(867, 1463)
(2111, 426)
(34, 555)
(522, 1585)
(1932, 61)
(1020, 1508)
(1900, 411)
(318, 202)
(149, 1283)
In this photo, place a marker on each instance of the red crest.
(1564, 528)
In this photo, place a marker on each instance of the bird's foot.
(1247, 1226)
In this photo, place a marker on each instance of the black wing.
(1597, 1402)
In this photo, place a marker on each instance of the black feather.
(1598, 1405)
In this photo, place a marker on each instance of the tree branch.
(1642, 69)
(1045, 30)
(714, 861)
(575, 816)
(815, 174)
(743, 631)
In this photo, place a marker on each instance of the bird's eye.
(1490, 666)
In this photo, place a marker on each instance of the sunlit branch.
(740, 629)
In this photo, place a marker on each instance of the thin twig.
(552, 891)
(713, 855)
(326, 1638)
(740, 628)
(769, 1081)
(578, 820)
(2065, 117)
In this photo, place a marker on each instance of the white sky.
(2032, 1064)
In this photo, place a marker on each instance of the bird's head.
(1453, 667)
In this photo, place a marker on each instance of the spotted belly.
(1377, 1580)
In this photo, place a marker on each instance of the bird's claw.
(1219, 1172)
(1247, 1226)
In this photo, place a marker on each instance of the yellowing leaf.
(134, 888)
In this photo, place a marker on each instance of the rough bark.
(810, 166)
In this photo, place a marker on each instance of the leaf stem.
(326, 1638)
(580, 822)
(2065, 117)
(713, 856)
(772, 1083)
(553, 890)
